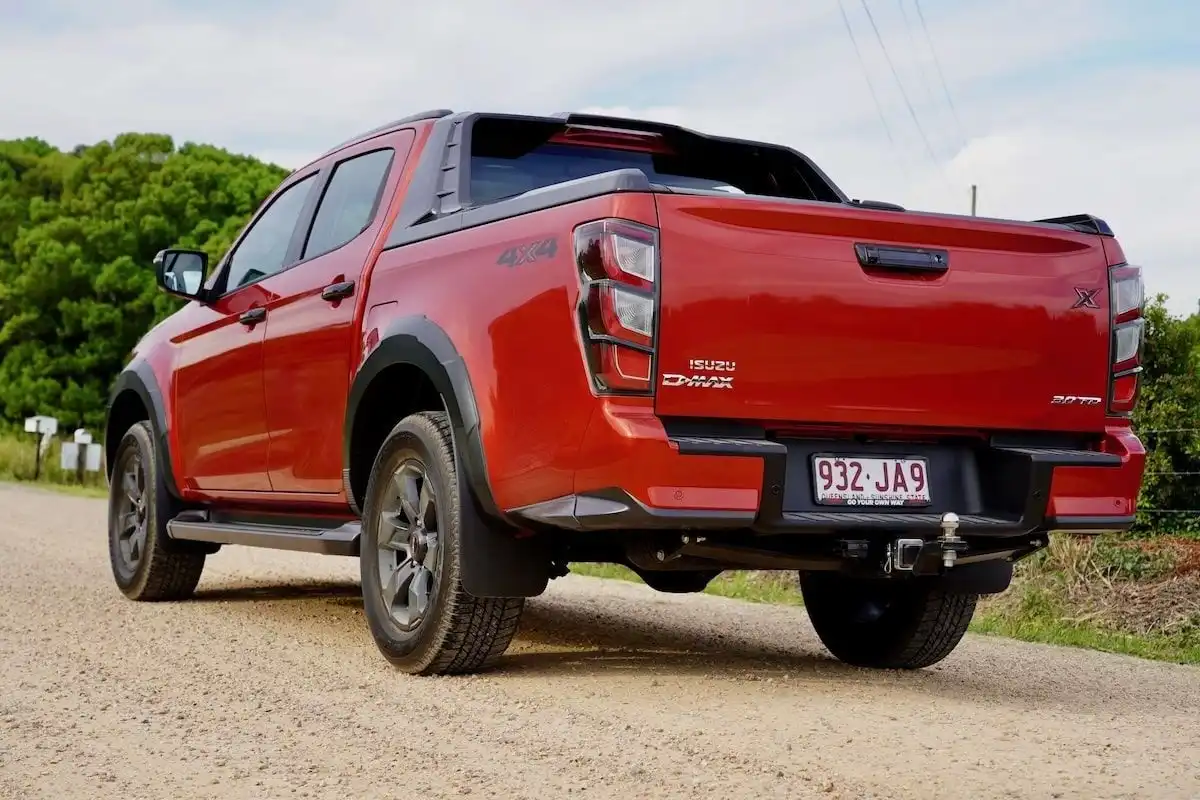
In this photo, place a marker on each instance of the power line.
(941, 75)
(912, 111)
(871, 86)
(912, 40)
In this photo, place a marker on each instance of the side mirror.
(181, 272)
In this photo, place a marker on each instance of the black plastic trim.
(422, 343)
(1083, 223)
(614, 509)
(878, 205)
(1071, 523)
(677, 131)
(427, 187)
(850, 520)
(886, 256)
(138, 377)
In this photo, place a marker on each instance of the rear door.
(310, 326)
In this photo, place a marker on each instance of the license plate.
(857, 481)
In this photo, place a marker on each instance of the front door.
(220, 410)
(310, 325)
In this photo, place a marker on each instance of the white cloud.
(1043, 135)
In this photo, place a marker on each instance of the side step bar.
(339, 541)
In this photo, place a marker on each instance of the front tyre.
(419, 615)
(887, 624)
(146, 563)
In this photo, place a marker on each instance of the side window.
(263, 249)
(349, 202)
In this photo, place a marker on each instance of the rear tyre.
(886, 624)
(420, 617)
(146, 563)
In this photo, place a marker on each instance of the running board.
(339, 541)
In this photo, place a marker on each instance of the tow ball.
(951, 543)
(920, 556)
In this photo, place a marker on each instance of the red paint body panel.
(626, 446)
(777, 288)
(1091, 492)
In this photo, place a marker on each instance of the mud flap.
(495, 560)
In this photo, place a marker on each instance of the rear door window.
(349, 203)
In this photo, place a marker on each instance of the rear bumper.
(642, 475)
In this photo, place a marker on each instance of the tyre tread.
(943, 622)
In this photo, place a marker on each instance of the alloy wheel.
(132, 515)
(408, 544)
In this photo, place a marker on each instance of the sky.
(1050, 108)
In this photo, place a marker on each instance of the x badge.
(1086, 298)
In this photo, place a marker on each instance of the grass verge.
(17, 465)
(1127, 596)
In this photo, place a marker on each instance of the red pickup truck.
(473, 348)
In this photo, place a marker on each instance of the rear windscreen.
(495, 178)
(510, 157)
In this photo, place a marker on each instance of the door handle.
(253, 316)
(337, 291)
(917, 259)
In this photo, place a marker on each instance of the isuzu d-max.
(471, 349)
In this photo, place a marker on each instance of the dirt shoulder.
(268, 682)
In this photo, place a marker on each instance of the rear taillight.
(1126, 300)
(618, 270)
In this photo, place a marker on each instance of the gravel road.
(268, 685)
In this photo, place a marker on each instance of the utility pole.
(974, 197)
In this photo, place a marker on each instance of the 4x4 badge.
(1085, 298)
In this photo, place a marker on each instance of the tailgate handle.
(885, 256)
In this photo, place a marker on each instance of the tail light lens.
(1127, 299)
(618, 270)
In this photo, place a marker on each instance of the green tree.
(78, 234)
(1168, 421)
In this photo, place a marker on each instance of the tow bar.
(920, 556)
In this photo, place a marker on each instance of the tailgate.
(768, 314)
